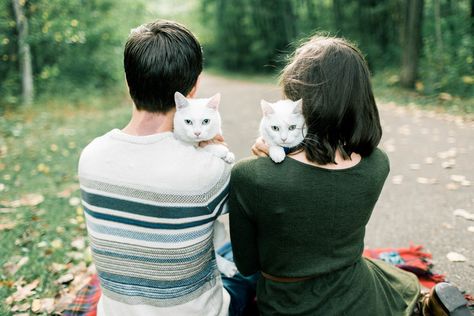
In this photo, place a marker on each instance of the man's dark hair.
(332, 78)
(160, 58)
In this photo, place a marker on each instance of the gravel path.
(431, 175)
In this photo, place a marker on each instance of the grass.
(39, 150)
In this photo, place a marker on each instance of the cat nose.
(197, 133)
(284, 139)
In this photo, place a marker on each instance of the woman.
(302, 223)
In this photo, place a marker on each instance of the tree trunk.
(26, 69)
(337, 6)
(411, 42)
(437, 15)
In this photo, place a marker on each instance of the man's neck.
(145, 123)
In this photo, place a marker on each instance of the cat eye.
(292, 127)
(188, 122)
(205, 121)
(275, 128)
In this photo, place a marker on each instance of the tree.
(411, 41)
(24, 51)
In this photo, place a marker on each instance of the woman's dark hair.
(333, 79)
(160, 58)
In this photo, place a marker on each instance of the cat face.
(282, 123)
(196, 120)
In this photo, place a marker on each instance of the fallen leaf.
(58, 267)
(74, 201)
(429, 160)
(68, 191)
(2, 187)
(20, 308)
(15, 264)
(65, 278)
(470, 229)
(22, 292)
(465, 183)
(451, 153)
(44, 305)
(448, 164)
(7, 226)
(452, 186)
(404, 130)
(31, 199)
(79, 243)
(457, 178)
(464, 214)
(422, 180)
(455, 257)
(445, 96)
(448, 226)
(57, 243)
(398, 179)
(415, 166)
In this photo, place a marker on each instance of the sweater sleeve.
(243, 230)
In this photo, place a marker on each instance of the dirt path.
(430, 154)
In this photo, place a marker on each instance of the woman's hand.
(260, 148)
(218, 139)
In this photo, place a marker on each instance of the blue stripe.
(153, 210)
(136, 222)
(154, 237)
(152, 259)
(195, 280)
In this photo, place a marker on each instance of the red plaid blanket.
(410, 259)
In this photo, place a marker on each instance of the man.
(150, 201)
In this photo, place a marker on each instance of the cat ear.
(180, 101)
(298, 107)
(266, 108)
(214, 101)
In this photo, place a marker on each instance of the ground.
(431, 173)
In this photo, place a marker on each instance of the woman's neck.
(145, 123)
(340, 162)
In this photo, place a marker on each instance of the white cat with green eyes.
(198, 120)
(282, 126)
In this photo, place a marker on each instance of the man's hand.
(218, 139)
(260, 148)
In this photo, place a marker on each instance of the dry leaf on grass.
(74, 201)
(22, 292)
(7, 226)
(44, 305)
(65, 278)
(20, 308)
(15, 264)
(31, 199)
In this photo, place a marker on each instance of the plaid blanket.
(411, 259)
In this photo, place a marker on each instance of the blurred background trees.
(427, 44)
(74, 47)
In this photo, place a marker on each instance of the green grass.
(39, 151)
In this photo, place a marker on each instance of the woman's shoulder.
(249, 167)
(379, 159)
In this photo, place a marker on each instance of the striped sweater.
(150, 203)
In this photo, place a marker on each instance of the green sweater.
(297, 220)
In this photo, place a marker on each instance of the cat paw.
(229, 158)
(226, 267)
(277, 154)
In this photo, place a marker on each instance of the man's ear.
(193, 91)
(180, 101)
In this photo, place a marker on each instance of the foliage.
(254, 35)
(76, 45)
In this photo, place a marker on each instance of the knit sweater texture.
(150, 203)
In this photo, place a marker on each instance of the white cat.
(282, 126)
(198, 120)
